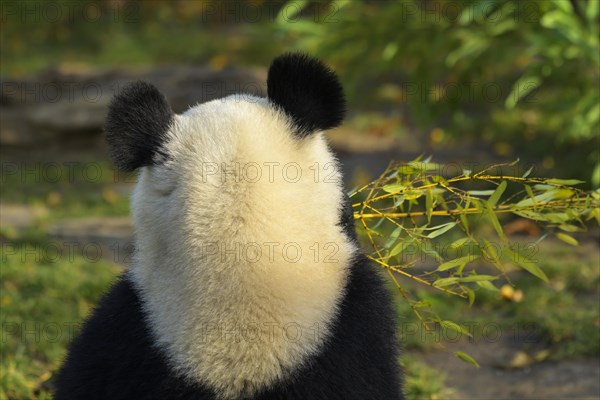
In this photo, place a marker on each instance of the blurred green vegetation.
(44, 297)
(524, 75)
(521, 76)
(68, 190)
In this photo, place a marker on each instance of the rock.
(110, 238)
(56, 105)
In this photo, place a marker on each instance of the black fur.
(136, 126)
(307, 91)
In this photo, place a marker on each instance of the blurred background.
(471, 83)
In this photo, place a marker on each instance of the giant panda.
(248, 281)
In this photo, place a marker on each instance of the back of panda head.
(307, 91)
(303, 88)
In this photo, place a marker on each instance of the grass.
(422, 382)
(44, 298)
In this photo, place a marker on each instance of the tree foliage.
(505, 70)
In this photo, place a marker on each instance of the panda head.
(140, 121)
(238, 218)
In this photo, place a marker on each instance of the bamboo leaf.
(491, 253)
(520, 89)
(470, 295)
(466, 358)
(425, 166)
(564, 182)
(528, 172)
(460, 243)
(396, 249)
(428, 205)
(455, 327)
(495, 222)
(567, 239)
(487, 285)
(394, 188)
(497, 194)
(456, 262)
(443, 229)
(529, 191)
(526, 264)
(569, 228)
(393, 237)
(480, 192)
(445, 282)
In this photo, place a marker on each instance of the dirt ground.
(495, 380)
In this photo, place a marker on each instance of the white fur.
(240, 322)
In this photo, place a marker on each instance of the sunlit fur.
(216, 307)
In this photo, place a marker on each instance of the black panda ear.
(308, 91)
(138, 120)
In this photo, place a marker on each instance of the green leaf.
(393, 237)
(394, 188)
(466, 358)
(521, 88)
(528, 172)
(428, 205)
(445, 282)
(567, 239)
(455, 327)
(427, 249)
(425, 166)
(480, 192)
(541, 198)
(464, 219)
(396, 249)
(564, 182)
(526, 264)
(460, 243)
(569, 228)
(289, 13)
(400, 247)
(442, 229)
(529, 191)
(491, 253)
(592, 10)
(470, 295)
(497, 194)
(487, 285)
(456, 262)
(398, 200)
(495, 222)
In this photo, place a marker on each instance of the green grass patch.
(422, 382)
(44, 299)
